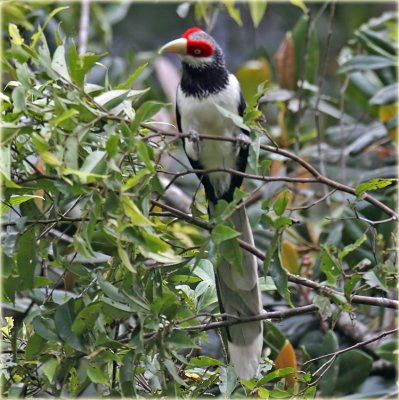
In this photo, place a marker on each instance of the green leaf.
(324, 305)
(45, 327)
(15, 200)
(132, 211)
(329, 383)
(203, 361)
(257, 10)
(300, 4)
(37, 35)
(386, 95)
(50, 159)
(388, 351)
(145, 112)
(135, 179)
(50, 367)
(329, 264)
(27, 259)
(372, 184)
(125, 259)
(18, 98)
(132, 78)
(350, 284)
(352, 247)
(97, 375)
(93, 160)
(375, 279)
(279, 373)
(63, 319)
(366, 63)
(233, 11)
(66, 115)
(223, 232)
(86, 318)
(58, 64)
(127, 375)
(237, 119)
(171, 367)
(280, 277)
(354, 367)
(282, 201)
(110, 290)
(79, 65)
(14, 34)
(34, 347)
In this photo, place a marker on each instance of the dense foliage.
(107, 251)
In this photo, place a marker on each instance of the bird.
(206, 86)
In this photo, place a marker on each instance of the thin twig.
(355, 346)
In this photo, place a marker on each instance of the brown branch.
(312, 170)
(240, 173)
(318, 287)
(241, 320)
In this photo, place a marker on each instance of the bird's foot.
(244, 141)
(195, 139)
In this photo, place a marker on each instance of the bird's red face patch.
(195, 47)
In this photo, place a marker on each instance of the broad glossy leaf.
(329, 382)
(86, 318)
(45, 327)
(63, 318)
(354, 367)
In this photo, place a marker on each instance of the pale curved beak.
(175, 46)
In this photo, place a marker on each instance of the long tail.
(239, 295)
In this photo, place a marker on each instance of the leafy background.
(107, 258)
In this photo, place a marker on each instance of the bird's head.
(197, 48)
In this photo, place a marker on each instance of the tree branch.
(318, 287)
(241, 320)
(312, 170)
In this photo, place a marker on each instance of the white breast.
(203, 117)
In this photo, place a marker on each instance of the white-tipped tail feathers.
(239, 295)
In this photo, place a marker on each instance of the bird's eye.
(197, 52)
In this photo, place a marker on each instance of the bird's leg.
(243, 140)
(195, 140)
